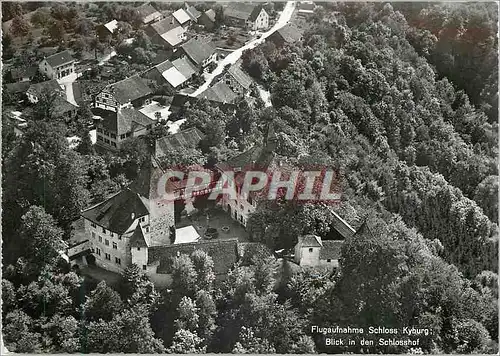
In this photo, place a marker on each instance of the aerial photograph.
(294, 177)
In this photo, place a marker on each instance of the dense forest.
(400, 99)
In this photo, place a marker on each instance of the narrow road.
(231, 58)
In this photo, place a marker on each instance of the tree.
(103, 303)
(18, 333)
(20, 26)
(184, 277)
(204, 267)
(56, 30)
(188, 315)
(137, 289)
(186, 342)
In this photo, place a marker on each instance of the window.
(98, 251)
(106, 242)
(147, 228)
(138, 248)
(113, 144)
(122, 136)
(93, 225)
(115, 246)
(92, 249)
(93, 235)
(108, 256)
(119, 237)
(100, 238)
(103, 230)
(142, 219)
(144, 267)
(110, 234)
(310, 250)
(118, 261)
(113, 135)
(99, 138)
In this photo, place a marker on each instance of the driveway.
(231, 58)
(68, 87)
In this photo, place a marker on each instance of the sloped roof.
(47, 86)
(240, 10)
(115, 213)
(174, 36)
(181, 16)
(290, 33)
(310, 241)
(223, 253)
(19, 87)
(146, 11)
(255, 156)
(62, 106)
(187, 138)
(125, 120)
(187, 234)
(364, 231)
(210, 14)
(197, 51)
(192, 12)
(255, 13)
(163, 66)
(339, 224)
(111, 25)
(174, 77)
(163, 26)
(184, 66)
(220, 93)
(138, 239)
(59, 59)
(240, 76)
(331, 249)
(21, 72)
(129, 89)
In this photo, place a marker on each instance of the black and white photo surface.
(250, 177)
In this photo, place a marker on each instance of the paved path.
(231, 58)
(68, 87)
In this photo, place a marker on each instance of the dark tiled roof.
(19, 73)
(339, 224)
(163, 66)
(290, 33)
(59, 59)
(20, 87)
(129, 89)
(62, 106)
(147, 180)
(193, 13)
(220, 93)
(331, 250)
(47, 86)
(179, 100)
(197, 51)
(255, 13)
(137, 239)
(240, 76)
(256, 157)
(115, 214)
(223, 252)
(145, 10)
(125, 120)
(310, 241)
(240, 10)
(163, 26)
(364, 231)
(187, 138)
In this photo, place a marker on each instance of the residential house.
(219, 93)
(18, 88)
(115, 127)
(192, 12)
(35, 91)
(167, 33)
(176, 73)
(149, 14)
(306, 8)
(58, 65)
(244, 15)
(189, 138)
(285, 35)
(200, 53)
(182, 18)
(132, 91)
(312, 251)
(237, 80)
(207, 19)
(23, 74)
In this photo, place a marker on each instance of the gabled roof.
(310, 241)
(174, 77)
(59, 59)
(240, 76)
(220, 93)
(47, 86)
(339, 224)
(22, 72)
(364, 231)
(210, 13)
(197, 51)
(129, 89)
(62, 106)
(125, 120)
(184, 66)
(174, 36)
(240, 10)
(223, 252)
(331, 250)
(147, 12)
(19, 87)
(192, 12)
(163, 26)
(256, 12)
(138, 239)
(115, 213)
(189, 138)
(111, 25)
(289, 33)
(181, 16)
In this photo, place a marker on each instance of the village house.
(132, 91)
(149, 14)
(287, 34)
(220, 93)
(49, 87)
(176, 73)
(200, 53)
(23, 74)
(106, 30)
(244, 15)
(192, 12)
(167, 33)
(115, 127)
(58, 65)
(207, 19)
(189, 138)
(306, 8)
(182, 18)
(237, 80)
(311, 251)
